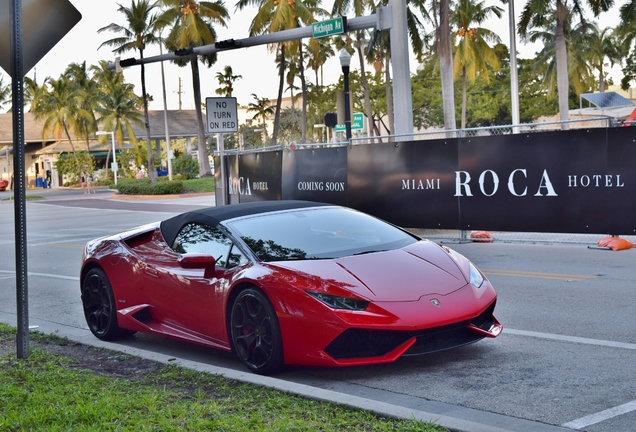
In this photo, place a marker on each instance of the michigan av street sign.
(329, 27)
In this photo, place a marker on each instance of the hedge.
(144, 187)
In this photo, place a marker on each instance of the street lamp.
(345, 61)
(114, 165)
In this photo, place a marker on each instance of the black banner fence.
(576, 181)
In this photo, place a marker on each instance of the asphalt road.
(566, 359)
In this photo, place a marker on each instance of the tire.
(255, 332)
(99, 306)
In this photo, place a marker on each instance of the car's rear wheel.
(99, 306)
(255, 332)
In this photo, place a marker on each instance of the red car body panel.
(413, 289)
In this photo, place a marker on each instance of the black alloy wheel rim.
(252, 331)
(97, 304)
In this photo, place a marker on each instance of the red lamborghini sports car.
(286, 282)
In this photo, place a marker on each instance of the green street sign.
(328, 28)
(356, 124)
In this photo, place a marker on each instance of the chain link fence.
(599, 122)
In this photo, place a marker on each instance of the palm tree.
(79, 76)
(139, 33)
(602, 45)
(273, 16)
(59, 106)
(379, 53)
(319, 50)
(5, 93)
(226, 81)
(191, 26)
(32, 90)
(437, 12)
(117, 105)
(539, 14)
(626, 31)
(580, 73)
(473, 56)
(263, 109)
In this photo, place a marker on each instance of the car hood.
(406, 274)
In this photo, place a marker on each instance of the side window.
(204, 239)
(236, 257)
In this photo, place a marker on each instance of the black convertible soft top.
(214, 215)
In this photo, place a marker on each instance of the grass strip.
(53, 392)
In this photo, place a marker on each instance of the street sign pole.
(46, 22)
(19, 207)
(222, 117)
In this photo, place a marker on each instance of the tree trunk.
(563, 87)
(202, 145)
(365, 85)
(446, 66)
(303, 85)
(463, 97)
(389, 93)
(70, 141)
(281, 84)
(152, 174)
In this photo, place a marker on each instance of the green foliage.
(65, 164)
(144, 187)
(426, 87)
(290, 125)
(199, 185)
(186, 166)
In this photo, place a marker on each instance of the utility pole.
(179, 93)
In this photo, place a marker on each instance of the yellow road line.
(538, 275)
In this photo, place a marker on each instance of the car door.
(188, 298)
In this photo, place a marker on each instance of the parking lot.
(566, 359)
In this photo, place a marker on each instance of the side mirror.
(199, 261)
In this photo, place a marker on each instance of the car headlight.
(476, 279)
(339, 302)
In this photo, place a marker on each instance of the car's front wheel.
(99, 306)
(255, 332)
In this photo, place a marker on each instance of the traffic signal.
(225, 44)
(183, 51)
(331, 119)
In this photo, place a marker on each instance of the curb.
(158, 197)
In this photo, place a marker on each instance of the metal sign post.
(47, 21)
(19, 206)
(222, 117)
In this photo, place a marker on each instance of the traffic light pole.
(392, 17)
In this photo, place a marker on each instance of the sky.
(255, 64)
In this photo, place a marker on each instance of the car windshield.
(317, 233)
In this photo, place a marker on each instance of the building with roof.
(41, 152)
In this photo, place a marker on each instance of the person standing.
(89, 182)
(83, 181)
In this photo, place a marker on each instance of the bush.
(144, 187)
(186, 166)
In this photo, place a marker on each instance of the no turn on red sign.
(222, 116)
